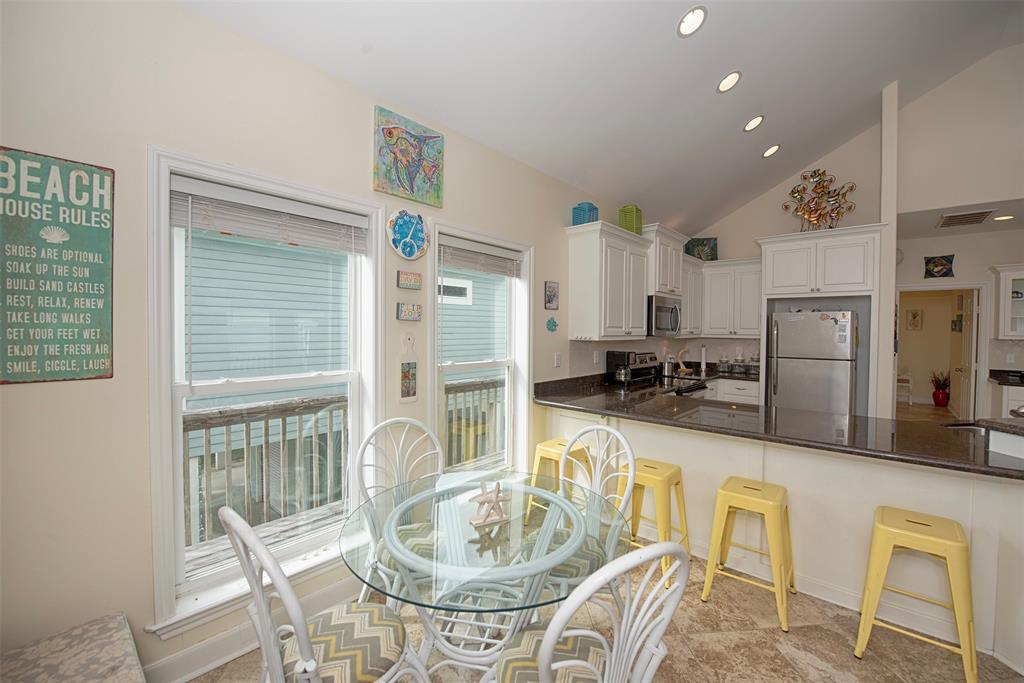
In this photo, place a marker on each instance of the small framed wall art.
(408, 279)
(408, 391)
(407, 234)
(915, 319)
(550, 295)
(412, 313)
(938, 266)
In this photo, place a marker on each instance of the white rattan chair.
(396, 452)
(629, 648)
(348, 642)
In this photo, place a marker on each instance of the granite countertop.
(918, 443)
(1010, 425)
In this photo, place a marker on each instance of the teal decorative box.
(584, 212)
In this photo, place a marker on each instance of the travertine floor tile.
(748, 656)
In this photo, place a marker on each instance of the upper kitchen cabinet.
(692, 270)
(665, 274)
(1011, 300)
(732, 299)
(840, 260)
(608, 276)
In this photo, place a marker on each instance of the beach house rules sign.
(56, 236)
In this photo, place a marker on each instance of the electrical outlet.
(558, 359)
(1011, 358)
(597, 357)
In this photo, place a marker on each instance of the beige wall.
(963, 142)
(100, 83)
(929, 349)
(857, 160)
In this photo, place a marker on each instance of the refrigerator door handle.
(775, 357)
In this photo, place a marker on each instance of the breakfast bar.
(837, 469)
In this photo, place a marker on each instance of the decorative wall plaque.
(56, 232)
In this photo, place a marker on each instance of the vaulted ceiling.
(607, 97)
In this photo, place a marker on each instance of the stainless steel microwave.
(664, 316)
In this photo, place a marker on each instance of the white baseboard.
(207, 655)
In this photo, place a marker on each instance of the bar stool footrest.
(931, 641)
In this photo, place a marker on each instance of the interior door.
(964, 368)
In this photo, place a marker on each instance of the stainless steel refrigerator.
(812, 361)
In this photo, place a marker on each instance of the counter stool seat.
(896, 529)
(770, 501)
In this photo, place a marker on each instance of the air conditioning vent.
(959, 220)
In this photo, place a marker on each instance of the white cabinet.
(607, 288)
(732, 299)
(1010, 398)
(738, 391)
(1011, 300)
(841, 260)
(665, 274)
(692, 271)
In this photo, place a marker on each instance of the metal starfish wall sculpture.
(822, 206)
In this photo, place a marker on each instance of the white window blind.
(231, 211)
(464, 254)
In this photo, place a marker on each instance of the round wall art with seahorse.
(407, 234)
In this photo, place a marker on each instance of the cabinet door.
(717, 315)
(747, 298)
(695, 298)
(663, 266)
(845, 264)
(1011, 306)
(677, 282)
(613, 289)
(636, 292)
(789, 268)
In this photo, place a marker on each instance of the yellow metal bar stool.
(897, 529)
(550, 452)
(663, 478)
(771, 502)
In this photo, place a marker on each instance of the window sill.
(212, 603)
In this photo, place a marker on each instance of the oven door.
(664, 316)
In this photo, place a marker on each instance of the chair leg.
(878, 566)
(775, 528)
(730, 524)
(663, 517)
(681, 507)
(717, 531)
(958, 567)
(789, 553)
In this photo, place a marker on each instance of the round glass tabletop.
(482, 541)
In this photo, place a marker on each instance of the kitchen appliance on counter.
(812, 361)
(664, 316)
(632, 368)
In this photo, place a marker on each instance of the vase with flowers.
(940, 384)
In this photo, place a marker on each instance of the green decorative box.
(631, 218)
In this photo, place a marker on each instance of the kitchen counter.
(963, 449)
(1010, 425)
(1007, 378)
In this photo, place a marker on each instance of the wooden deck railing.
(475, 411)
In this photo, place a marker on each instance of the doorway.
(937, 332)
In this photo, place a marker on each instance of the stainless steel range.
(630, 369)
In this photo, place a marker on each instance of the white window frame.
(520, 330)
(174, 613)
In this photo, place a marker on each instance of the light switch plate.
(558, 359)
(597, 357)
(1011, 358)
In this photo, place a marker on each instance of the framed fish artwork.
(938, 266)
(408, 159)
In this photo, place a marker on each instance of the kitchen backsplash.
(999, 350)
(581, 354)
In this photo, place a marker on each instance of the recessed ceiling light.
(692, 21)
(727, 83)
(1003, 218)
(754, 123)
(770, 151)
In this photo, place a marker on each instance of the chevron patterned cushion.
(585, 562)
(518, 662)
(419, 537)
(353, 642)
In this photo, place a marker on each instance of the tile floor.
(735, 637)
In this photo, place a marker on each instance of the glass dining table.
(477, 552)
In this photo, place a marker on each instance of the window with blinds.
(475, 293)
(264, 290)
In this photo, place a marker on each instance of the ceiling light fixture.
(1003, 218)
(729, 82)
(692, 21)
(754, 123)
(770, 151)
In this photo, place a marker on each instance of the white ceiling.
(916, 224)
(605, 96)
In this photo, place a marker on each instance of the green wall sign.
(56, 272)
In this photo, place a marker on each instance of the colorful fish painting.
(408, 158)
